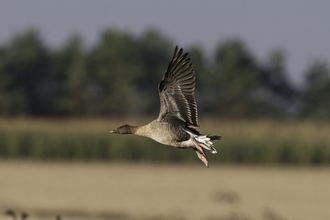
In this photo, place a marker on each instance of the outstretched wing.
(176, 91)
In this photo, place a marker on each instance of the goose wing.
(176, 92)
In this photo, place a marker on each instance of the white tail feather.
(204, 141)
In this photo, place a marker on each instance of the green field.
(245, 141)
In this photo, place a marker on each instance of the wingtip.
(176, 49)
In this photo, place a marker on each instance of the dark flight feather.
(176, 92)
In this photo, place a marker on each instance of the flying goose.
(178, 111)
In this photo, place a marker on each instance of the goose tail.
(205, 141)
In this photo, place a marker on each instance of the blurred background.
(72, 71)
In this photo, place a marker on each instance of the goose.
(24, 215)
(11, 213)
(177, 119)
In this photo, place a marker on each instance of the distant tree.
(114, 65)
(316, 103)
(70, 73)
(236, 79)
(279, 96)
(154, 51)
(12, 101)
(120, 73)
(24, 67)
(276, 75)
(247, 88)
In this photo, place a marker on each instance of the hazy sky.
(301, 27)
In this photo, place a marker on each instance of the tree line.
(119, 74)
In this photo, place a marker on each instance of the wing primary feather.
(176, 91)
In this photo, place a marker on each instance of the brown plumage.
(178, 111)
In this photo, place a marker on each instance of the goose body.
(178, 111)
(164, 133)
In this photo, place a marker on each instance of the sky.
(300, 28)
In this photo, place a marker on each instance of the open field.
(97, 190)
(253, 142)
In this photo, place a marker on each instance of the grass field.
(252, 142)
(76, 168)
(98, 190)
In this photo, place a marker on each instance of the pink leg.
(200, 152)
